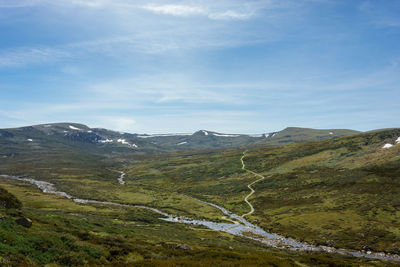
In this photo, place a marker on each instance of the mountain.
(81, 137)
(202, 139)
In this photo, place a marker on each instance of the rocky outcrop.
(25, 222)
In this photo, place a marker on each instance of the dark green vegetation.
(342, 192)
(8, 201)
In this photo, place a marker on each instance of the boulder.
(183, 246)
(25, 222)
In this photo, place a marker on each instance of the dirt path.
(246, 199)
(120, 179)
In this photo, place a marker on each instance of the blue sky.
(180, 66)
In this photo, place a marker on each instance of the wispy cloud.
(184, 11)
(177, 65)
(30, 55)
(175, 10)
(130, 27)
(230, 14)
(221, 10)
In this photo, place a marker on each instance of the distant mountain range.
(73, 134)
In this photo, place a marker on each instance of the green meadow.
(342, 192)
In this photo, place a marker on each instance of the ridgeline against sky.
(180, 66)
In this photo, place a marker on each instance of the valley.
(318, 196)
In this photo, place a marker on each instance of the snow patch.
(387, 146)
(163, 135)
(256, 135)
(106, 141)
(225, 135)
(49, 125)
(205, 133)
(181, 143)
(124, 142)
(29, 140)
(273, 135)
(90, 131)
(330, 133)
(398, 140)
(74, 128)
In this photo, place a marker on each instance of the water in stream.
(242, 228)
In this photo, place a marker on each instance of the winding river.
(242, 228)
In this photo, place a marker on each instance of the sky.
(233, 66)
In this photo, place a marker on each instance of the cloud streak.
(175, 10)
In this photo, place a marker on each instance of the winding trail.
(120, 179)
(246, 199)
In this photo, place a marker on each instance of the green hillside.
(342, 192)
(297, 135)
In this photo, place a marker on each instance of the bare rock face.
(25, 222)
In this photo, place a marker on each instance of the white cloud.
(184, 10)
(175, 10)
(230, 14)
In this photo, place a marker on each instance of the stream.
(243, 228)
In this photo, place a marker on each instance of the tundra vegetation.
(342, 192)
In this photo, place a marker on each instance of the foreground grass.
(68, 234)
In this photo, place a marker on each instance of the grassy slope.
(343, 192)
(297, 135)
(325, 178)
(69, 234)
